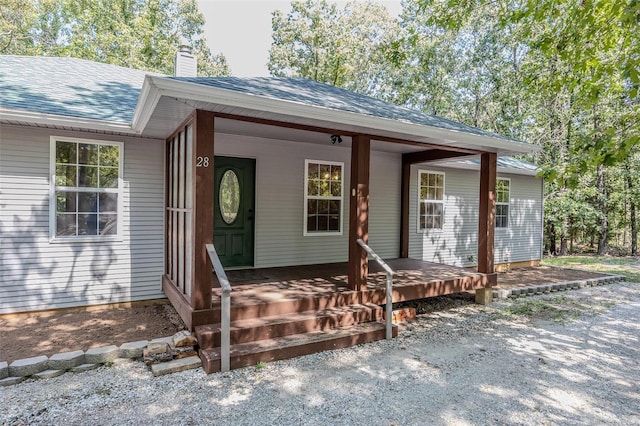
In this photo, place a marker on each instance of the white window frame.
(421, 172)
(307, 197)
(508, 204)
(53, 188)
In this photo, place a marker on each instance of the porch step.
(251, 353)
(258, 307)
(269, 327)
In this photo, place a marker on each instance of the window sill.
(84, 239)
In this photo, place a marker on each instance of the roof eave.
(54, 120)
(156, 87)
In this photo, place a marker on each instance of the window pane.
(312, 206)
(323, 188)
(313, 172)
(108, 203)
(336, 189)
(334, 207)
(325, 171)
(424, 179)
(431, 194)
(108, 177)
(87, 176)
(87, 202)
(423, 193)
(65, 225)
(334, 223)
(312, 223)
(312, 187)
(108, 224)
(66, 202)
(323, 206)
(109, 155)
(229, 196)
(422, 222)
(437, 209)
(439, 194)
(88, 154)
(432, 179)
(336, 172)
(323, 223)
(87, 224)
(437, 222)
(422, 209)
(440, 181)
(66, 175)
(66, 152)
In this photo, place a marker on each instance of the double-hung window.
(431, 192)
(86, 189)
(502, 203)
(323, 197)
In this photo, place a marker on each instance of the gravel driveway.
(564, 358)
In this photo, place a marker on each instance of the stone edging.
(516, 292)
(43, 367)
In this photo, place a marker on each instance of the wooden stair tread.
(293, 316)
(245, 354)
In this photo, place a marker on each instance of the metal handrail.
(390, 273)
(225, 308)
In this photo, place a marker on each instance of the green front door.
(234, 211)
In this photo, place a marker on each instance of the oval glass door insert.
(229, 196)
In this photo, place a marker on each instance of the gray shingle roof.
(504, 162)
(310, 92)
(69, 87)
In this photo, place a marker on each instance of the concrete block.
(4, 370)
(28, 366)
(101, 355)
(66, 360)
(132, 349)
(501, 294)
(48, 374)
(175, 366)
(483, 296)
(582, 284)
(184, 339)
(84, 367)
(8, 381)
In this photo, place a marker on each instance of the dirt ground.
(50, 333)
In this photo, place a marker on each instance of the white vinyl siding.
(280, 200)
(457, 242)
(37, 274)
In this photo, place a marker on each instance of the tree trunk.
(552, 239)
(632, 204)
(563, 245)
(602, 206)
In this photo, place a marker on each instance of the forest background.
(562, 74)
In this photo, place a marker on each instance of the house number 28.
(202, 161)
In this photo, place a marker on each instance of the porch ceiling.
(164, 104)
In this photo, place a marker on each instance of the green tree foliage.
(339, 47)
(130, 33)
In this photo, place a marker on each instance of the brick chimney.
(186, 64)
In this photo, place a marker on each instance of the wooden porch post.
(359, 211)
(486, 224)
(404, 209)
(202, 161)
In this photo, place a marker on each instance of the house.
(113, 181)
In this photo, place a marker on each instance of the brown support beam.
(486, 221)
(359, 211)
(404, 210)
(431, 155)
(203, 181)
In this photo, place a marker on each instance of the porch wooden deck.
(413, 279)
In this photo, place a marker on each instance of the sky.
(241, 30)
